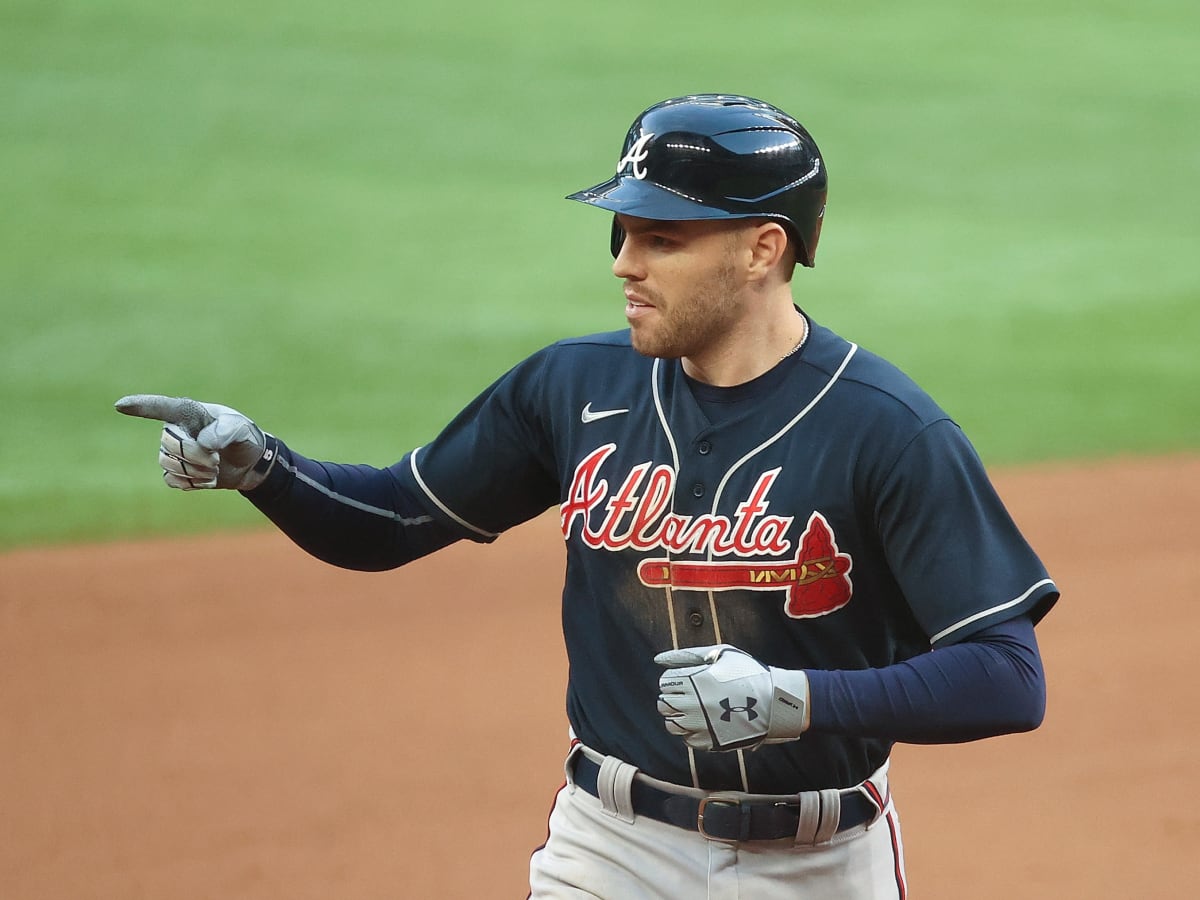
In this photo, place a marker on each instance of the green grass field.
(344, 220)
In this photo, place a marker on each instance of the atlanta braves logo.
(636, 156)
(638, 516)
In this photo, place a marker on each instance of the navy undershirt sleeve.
(992, 683)
(353, 516)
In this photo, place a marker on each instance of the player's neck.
(756, 346)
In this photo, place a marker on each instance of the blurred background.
(345, 220)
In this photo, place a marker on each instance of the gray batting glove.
(721, 698)
(205, 445)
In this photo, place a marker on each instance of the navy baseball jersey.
(826, 515)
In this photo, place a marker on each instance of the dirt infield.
(228, 718)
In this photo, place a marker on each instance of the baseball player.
(782, 556)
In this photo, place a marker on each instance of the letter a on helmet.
(718, 156)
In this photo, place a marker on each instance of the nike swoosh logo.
(589, 416)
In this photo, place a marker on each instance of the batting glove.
(204, 445)
(721, 698)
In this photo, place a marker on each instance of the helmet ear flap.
(617, 238)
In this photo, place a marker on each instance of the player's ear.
(769, 247)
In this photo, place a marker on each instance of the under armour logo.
(748, 709)
(636, 156)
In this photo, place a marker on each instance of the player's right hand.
(204, 445)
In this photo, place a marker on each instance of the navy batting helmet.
(718, 156)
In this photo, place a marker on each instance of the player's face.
(682, 285)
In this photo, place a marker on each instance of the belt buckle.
(718, 800)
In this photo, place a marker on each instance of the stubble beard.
(689, 327)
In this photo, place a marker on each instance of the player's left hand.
(721, 698)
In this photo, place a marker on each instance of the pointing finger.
(183, 411)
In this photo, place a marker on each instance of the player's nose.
(626, 264)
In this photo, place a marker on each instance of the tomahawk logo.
(817, 581)
(730, 709)
(636, 156)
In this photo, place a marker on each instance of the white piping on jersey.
(356, 504)
(671, 617)
(741, 758)
(412, 463)
(725, 480)
(987, 612)
(784, 430)
(662, 417)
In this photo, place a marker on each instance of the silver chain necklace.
(800, 343)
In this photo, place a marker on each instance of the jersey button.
(704, 447)
(696, 618)
(697, 490)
